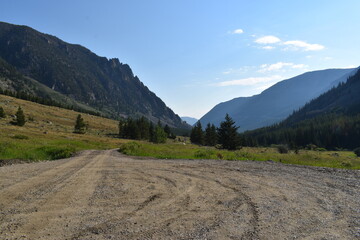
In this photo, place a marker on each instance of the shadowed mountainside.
(277, 102)
(74, 71)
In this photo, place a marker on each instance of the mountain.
(78, 74)
(277, 102)
(189, 120)
(331, 121)
(14, 83)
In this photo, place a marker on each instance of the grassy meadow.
(47, 133)
(338, 159)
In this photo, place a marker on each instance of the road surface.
(106, 195)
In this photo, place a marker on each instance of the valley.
(88, 151)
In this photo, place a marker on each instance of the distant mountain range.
(46, 66)
(277, 102)
(331, 121)
(189, 120)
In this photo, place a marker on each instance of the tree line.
(45, 101)
(330, 131)
(143, 129)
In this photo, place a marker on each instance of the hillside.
(331, 121)
(48, 132)
(277, 102)
(75, 72)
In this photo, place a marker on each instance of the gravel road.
(106, 195)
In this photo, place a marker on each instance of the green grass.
(36, 148)
(339, 159)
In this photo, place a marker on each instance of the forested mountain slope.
(74, 71)
(277, 102)
(331, 121)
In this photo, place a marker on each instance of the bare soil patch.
(106, 195)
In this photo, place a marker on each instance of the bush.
(357, 151)
(204, 153)
(129, 148)
(282, 149)
(19, 118)
(22, 137)
(311, 147)
(54, 153)
(2, 113)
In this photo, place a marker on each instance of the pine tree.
(2, 113)
(228, 135)
(80, 125)
(197, 134)
(210, 135)
(151, 132)
(167, 130)
(20, 117)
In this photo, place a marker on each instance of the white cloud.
(297, 44)
(274, 67)
(289, 45)
(268, 47)
(279, 66)
(268, 40)
(248, 81)
(299, 66)
(237, 31)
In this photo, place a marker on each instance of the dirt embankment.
(105, 195)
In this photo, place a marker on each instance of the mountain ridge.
(79, 74)
(331, 121)
(277, 102)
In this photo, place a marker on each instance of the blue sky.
(195, 54)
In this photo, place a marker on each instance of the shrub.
(357, 151)
(54, 153)
(19, 136)
(204, 153)
(19, 118)
(129, 148)
(2, 113)
(282, 149)
(310, 147)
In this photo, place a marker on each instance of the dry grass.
(50, 127)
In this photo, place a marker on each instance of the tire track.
(105, 195)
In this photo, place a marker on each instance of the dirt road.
(105, 195)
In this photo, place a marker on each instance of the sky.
(194, 54)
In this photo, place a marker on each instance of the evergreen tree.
(143, 125)
(121, 128)
(167, 130)
(80, 126)
(151, 132)
(20, 117)
(197, 134)
(210, 135)
(159, 135)
(228, 135)
(2, 113)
